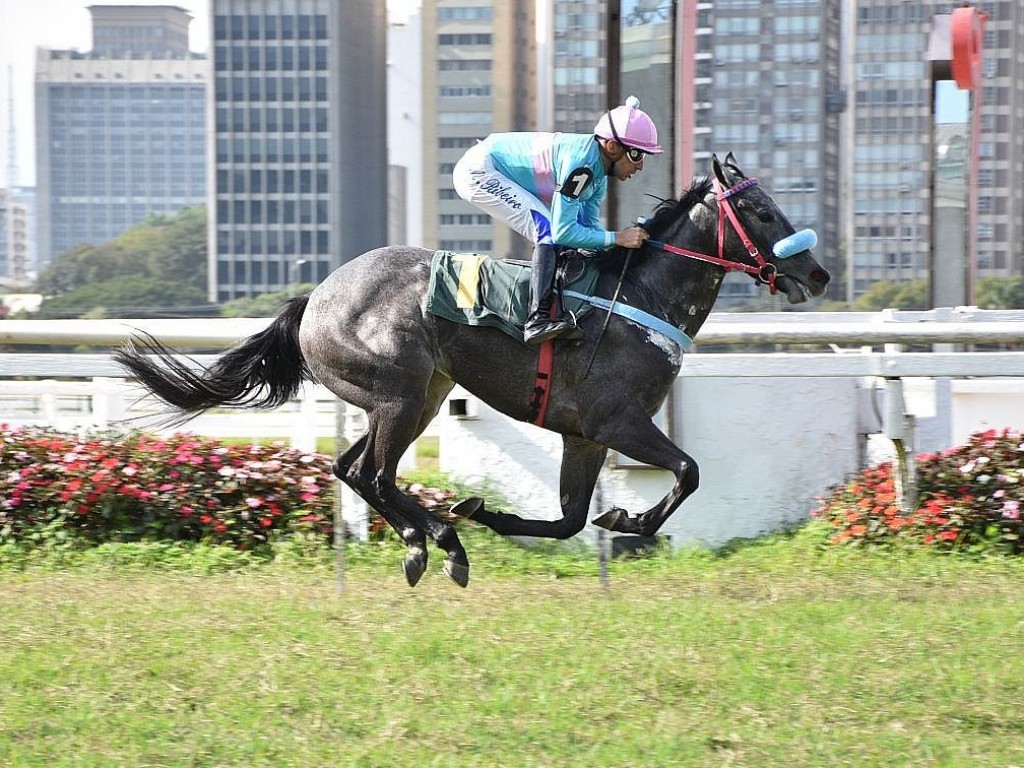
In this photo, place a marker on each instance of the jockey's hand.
(631, 238)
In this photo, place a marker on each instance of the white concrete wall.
(767, 449)
(982, 404)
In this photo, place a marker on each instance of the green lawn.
(774, 655)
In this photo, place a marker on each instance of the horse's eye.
(765, 215)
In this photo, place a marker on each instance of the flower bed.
(115, 487)
(969, 497)
(128, 488)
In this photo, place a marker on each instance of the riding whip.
(615, 297)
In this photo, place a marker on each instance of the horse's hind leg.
(415, 563)
(397, 424)
(370, 467)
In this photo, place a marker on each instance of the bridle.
(762, 270)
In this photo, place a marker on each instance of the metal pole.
(602, 540)
(339, 542)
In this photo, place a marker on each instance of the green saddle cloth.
(472, 289)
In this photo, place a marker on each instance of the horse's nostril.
(820, 276)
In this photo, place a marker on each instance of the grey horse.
(365, 334)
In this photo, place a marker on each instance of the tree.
(885, 294)
(159, 263)
(264, 305)
(1000, 293)
(132, 296)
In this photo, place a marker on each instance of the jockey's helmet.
(630, 126)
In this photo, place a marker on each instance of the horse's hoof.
(457, 572)
(615, 519)
(467, 507)
(415, 565)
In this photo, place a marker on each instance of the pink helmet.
(630, 126)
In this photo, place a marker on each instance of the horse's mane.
(669, 211)
(665, 214)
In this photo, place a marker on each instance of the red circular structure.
(966, 29)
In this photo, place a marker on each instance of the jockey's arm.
(582, 230)
(573, 223)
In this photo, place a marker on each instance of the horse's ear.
(716, 168)
(730, 159)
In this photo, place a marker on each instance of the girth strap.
(645, 319)
(542, 387)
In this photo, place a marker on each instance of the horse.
(364, 333)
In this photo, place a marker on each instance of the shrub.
(969, 498)
(57, 488)
(109, 487)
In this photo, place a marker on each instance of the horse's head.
(755, 232)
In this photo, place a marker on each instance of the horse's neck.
(685, 289)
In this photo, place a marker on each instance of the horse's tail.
(263, 371)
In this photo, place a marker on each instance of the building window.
(464, 39)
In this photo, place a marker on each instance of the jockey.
(548, 187)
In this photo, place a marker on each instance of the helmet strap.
(610, 170)
(611, 124)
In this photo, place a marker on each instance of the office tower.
(775, 101)
(579, 48)
(405, 123)
(894, 146)
(479, 76)
(137, 31)
(647, 69)
(14, 238)
(120, 131)
(299, 156)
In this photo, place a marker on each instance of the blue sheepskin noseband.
(804, 240)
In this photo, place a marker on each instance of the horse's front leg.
(581, 464)
(633, 433)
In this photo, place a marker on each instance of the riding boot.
(540, 326)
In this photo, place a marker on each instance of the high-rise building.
(894, 147)
(703, 70)
(770, 92)
(405, 146)
(648, 64)
(120, 130)
(299, 155)
(14, 238)
(579, 55)
(479, 76)
(121, 31)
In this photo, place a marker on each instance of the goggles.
(634, 155)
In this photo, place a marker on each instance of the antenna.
(12, 150)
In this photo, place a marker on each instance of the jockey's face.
(627, 161)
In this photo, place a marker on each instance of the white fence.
(770, 430)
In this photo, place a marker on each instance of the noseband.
(762, 270)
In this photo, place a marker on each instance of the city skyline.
(65, 25)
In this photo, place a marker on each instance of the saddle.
(474, 289)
